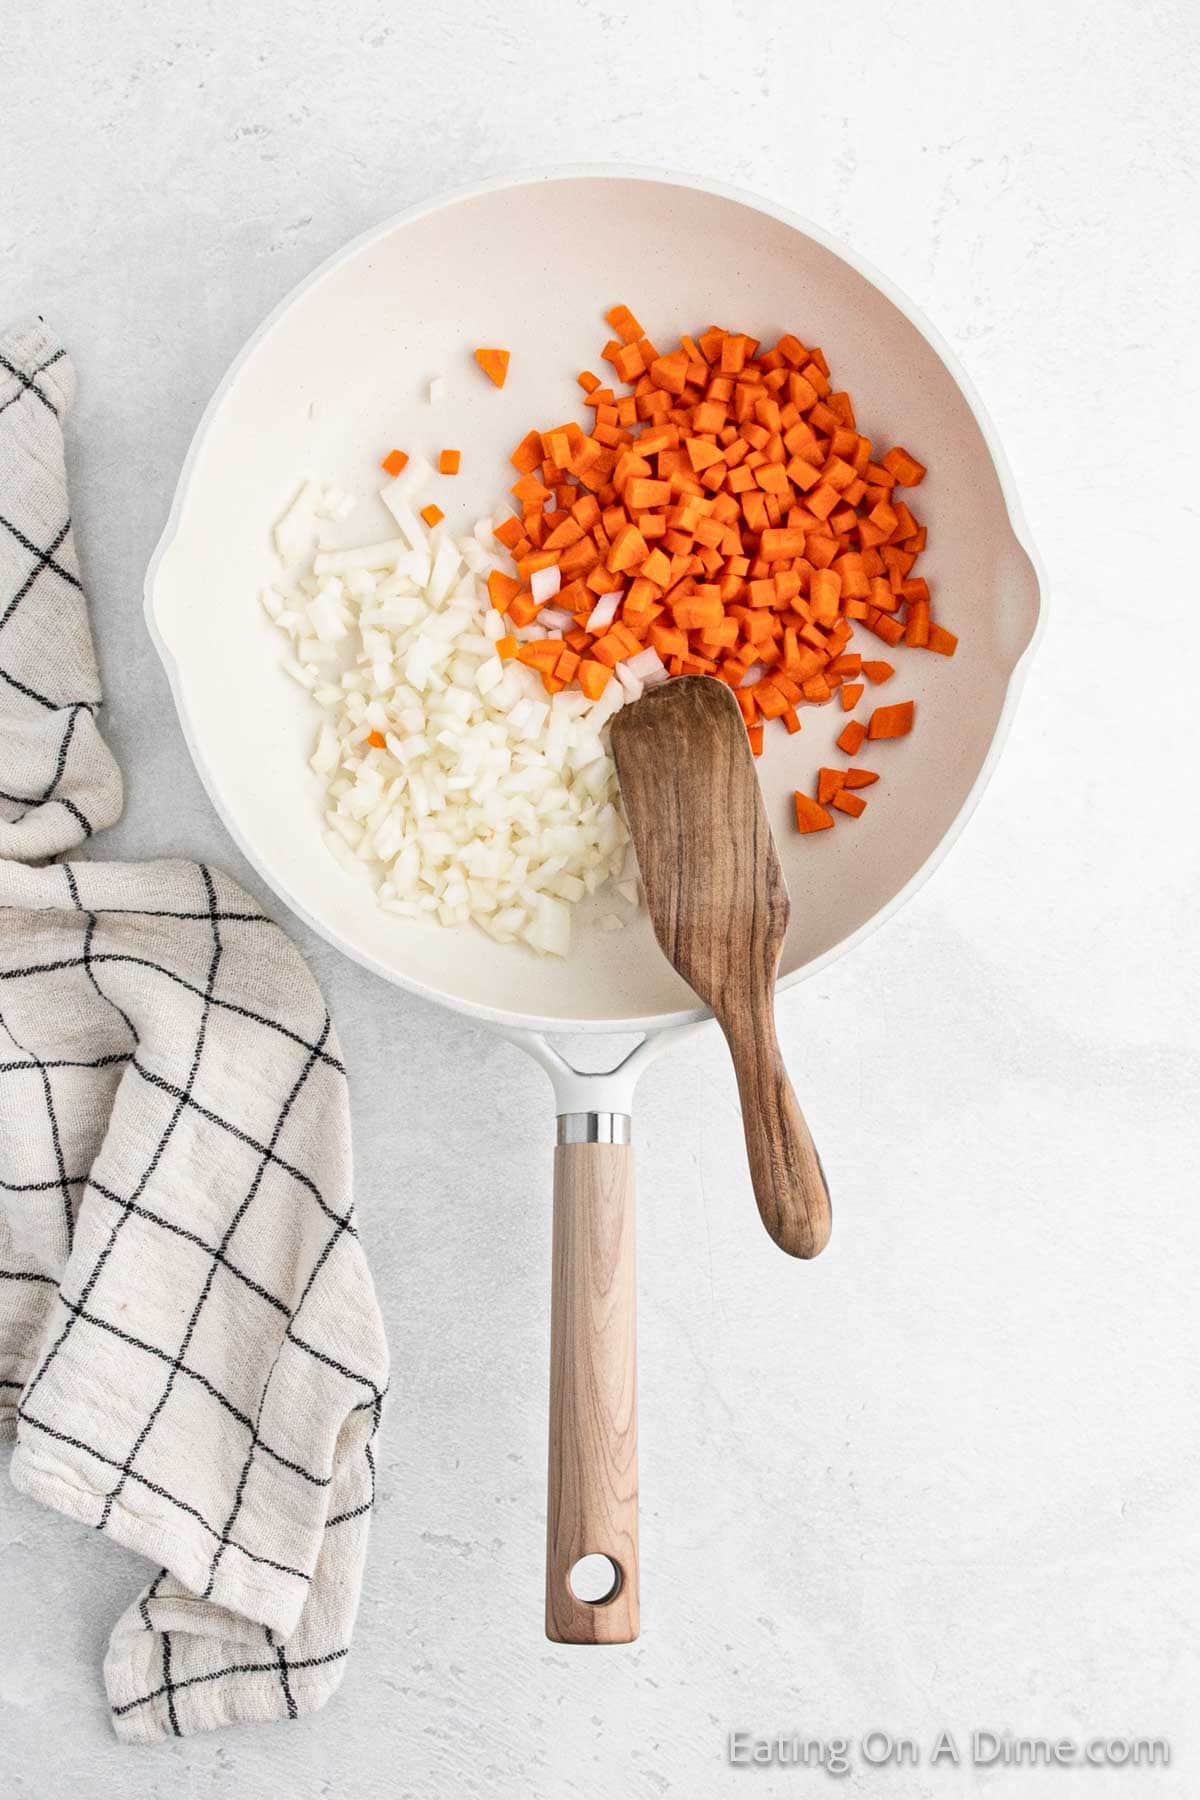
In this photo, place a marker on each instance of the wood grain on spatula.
(719, 906)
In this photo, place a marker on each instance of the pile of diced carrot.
(732, 503)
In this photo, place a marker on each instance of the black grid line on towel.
(42, 559)
(88, 934)
(101, 958)
(28, 382)
(153, 1487)
(153, 1162)
(48, 793)
(194, 1319)
(246, 1668)
(64, 1185)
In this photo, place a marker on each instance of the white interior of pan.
(341, 374)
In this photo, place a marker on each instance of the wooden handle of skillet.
(593, 1484)
(789, 1182)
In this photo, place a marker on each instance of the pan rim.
(1017, 523)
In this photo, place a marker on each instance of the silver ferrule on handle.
(593, 1128)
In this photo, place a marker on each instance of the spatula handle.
(593, 1483)
(789, 1182)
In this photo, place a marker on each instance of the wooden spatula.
(719, 906)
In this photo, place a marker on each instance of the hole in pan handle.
(596, 1579)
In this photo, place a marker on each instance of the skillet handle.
(593, 1474)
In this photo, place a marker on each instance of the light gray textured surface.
(948, 1475)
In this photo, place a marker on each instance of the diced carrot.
(494, 364)
(394, 462)
(858, 778)
(506, 648)
(376, 740)
(624, 324)
(727, 496)
(593, 677)
(629, 548)
(810, 815)
(781, 543)
(891, 721)
(904, 469)
(528, 453)
(890, 630)
(854, 804)
(642, 493)
(502, 589)
(432, 515)
(670, 372)
(916, 625)
(828, 783)
(449, 461)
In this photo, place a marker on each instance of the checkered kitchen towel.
(191, 1354)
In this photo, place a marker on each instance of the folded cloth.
(58, 780)
(191, 1354)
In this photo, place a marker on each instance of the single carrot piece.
(878, 672)
(858, 778)
(891, 721)
(629, 548)
(851, 694)
(916, 626)
(941, 640)
(593, 677)
(904, 469)
(528, 453)
(852, 738)
(494, 364)
(890, 630)
(854, 804)
(828, 783)
(448, 462)
(506, 648)
(394, 462)
(810, 815)
(502, 589)
(624, 324)
(781, 542)
(432, 515)
(376, 740)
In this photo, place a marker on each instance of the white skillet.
(338, 374)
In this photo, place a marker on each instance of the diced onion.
(545, 583)
(488, 801)
(604, 612)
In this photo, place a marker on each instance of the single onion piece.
(604, 612)
(647, 665)
(556, 618)
(545, 583)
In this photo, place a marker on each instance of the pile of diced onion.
(489, 801)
